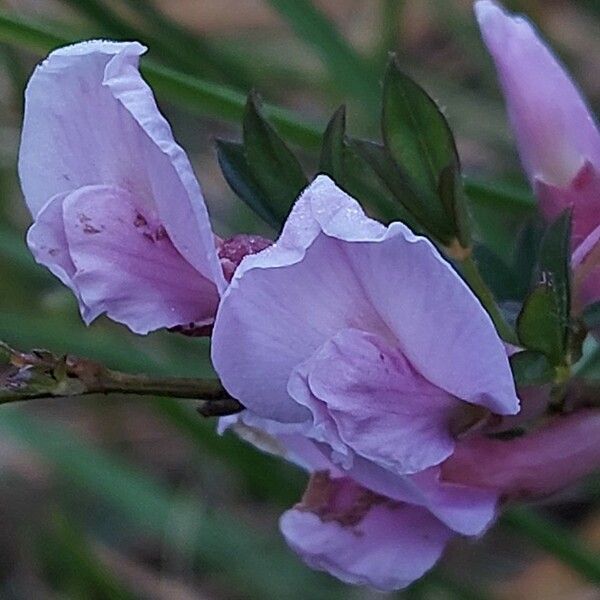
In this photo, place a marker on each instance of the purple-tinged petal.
(373, 402)
(536, 464)
(90, 119)
(361, 538)
(582, 195)
(125, 264)
(332, 269)
(555, 129)
(466, 509)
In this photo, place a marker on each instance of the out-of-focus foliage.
(113, 498)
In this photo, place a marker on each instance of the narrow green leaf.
(344, 64)
(531, 368)
(540, 324)
(416, 216)
(271, 162)
(237, 174)
(451, 193)
(555, 262)
(415, 132)
(332, 148)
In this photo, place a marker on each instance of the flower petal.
(332, 269)
(391, 547)
(536, 464)
(555, 130)
(378, 406)
(126, 266)
(90, 119)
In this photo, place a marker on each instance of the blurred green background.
(109, 497)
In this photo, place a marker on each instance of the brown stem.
(40, 374)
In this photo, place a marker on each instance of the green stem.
(472, 276)
(556, 540)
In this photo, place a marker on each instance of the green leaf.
(451, 193)
(271, 163)
(237, 174)
(416, 133)
(554, 263)
(331, 161)
(345, 65)
(540, 325)
(531, 368)
(416, 217)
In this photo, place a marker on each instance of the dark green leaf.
(416, 216)
(416, 133)
(531, 368)
(555, 260)
(540, 325)
(451, 194)
(271, 162)
(237, 174)
(332, 148)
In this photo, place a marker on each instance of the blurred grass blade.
(72, 565)
(343, 62)
(256, 564)
(506, 196)
(192, 50)
(201, 96)
(556, 540)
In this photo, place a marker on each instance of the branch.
(41, 374)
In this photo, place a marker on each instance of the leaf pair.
(418, 162)
(262, 170)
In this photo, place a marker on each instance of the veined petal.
(332, 269)
(555, 129)
(364, 539)
(90, 119)
(125, 264)
(536, 464)
(371, 401)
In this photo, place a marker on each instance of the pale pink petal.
(332, 269)
(125, 264)
(369, 398)
(536, 464)
(387, 548)
(555, 129)
(90, 119)
(581, 196)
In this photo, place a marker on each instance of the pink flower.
(360, 351)
(119, 216)
(534, 465)
(557, 135)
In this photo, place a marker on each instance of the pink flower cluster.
(357, 350)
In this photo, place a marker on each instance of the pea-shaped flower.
(557, 135)
(359, 348)
(118, 213)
